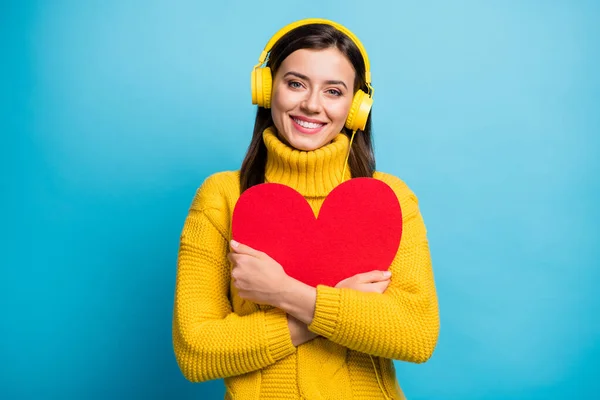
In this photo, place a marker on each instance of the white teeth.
(308, 125)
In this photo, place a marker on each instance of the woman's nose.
(312, 102)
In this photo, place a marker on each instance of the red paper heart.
(358, 229)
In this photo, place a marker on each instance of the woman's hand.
(373, 281)
(257, 276)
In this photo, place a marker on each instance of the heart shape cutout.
(358, 229)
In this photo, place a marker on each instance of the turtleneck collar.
(311, 173)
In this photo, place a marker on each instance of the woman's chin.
(306, 142)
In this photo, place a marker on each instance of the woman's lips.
(310, 131)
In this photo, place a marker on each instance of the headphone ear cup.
(254, 86)
(359, 111)
(261, 86)
(267, 86)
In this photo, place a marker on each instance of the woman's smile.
(306, 125)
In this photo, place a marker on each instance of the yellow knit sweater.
(216, 334)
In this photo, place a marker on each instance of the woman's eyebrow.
(301, 76)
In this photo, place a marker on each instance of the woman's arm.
(209, 339)
(402, 323)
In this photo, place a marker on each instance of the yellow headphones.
(262, 80)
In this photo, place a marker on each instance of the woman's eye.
(334, 92)
(295, 85)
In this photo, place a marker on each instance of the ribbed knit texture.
(216, 334)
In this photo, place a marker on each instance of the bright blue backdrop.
(113, 112)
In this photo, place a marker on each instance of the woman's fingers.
(356, 281)
(240, 248)
(374, 276)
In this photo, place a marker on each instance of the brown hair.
(313, 36)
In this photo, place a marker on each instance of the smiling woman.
(238, 315)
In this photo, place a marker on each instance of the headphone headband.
(308, 21)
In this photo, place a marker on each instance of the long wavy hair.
(314, 36)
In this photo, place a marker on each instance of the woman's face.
(312, 95)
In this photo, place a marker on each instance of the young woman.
(237, 314)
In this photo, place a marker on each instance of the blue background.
(113, 112)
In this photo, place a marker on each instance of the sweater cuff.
(278, 334)
(327, 309)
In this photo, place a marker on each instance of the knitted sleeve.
(210, 340)
(403, 322)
